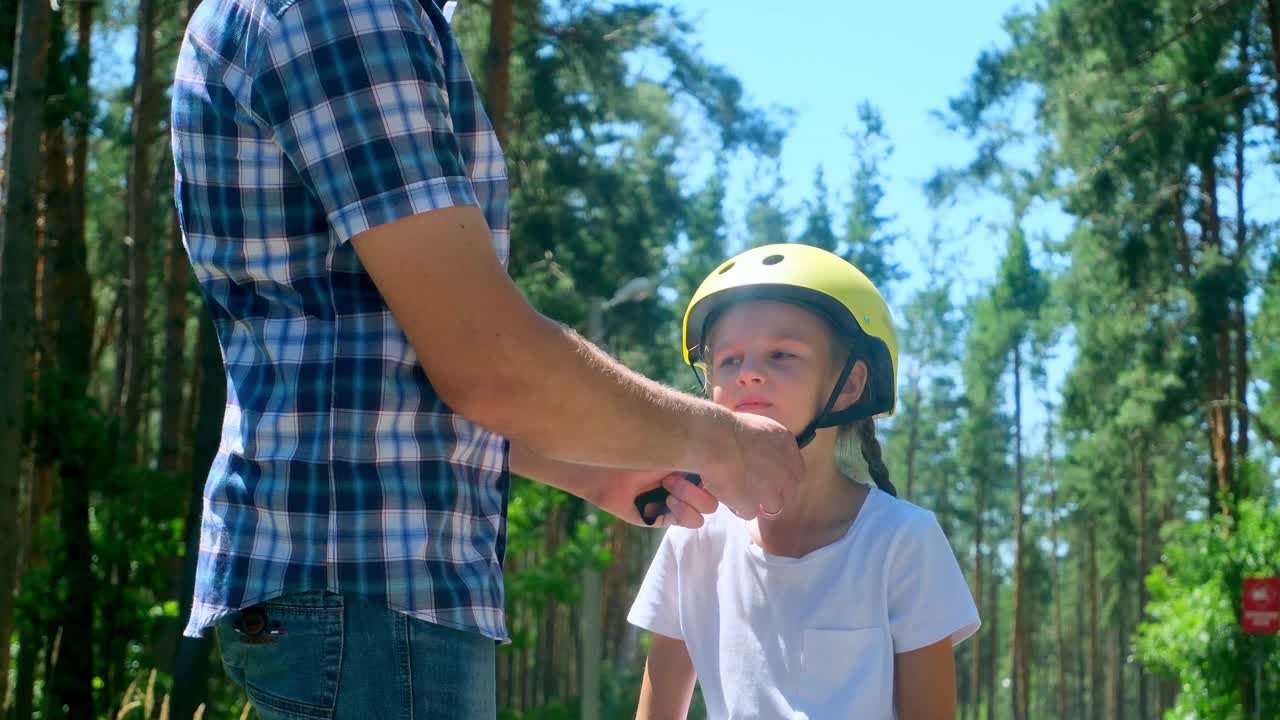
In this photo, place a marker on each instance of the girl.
(847, 603)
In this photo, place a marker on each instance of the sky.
(822, 58)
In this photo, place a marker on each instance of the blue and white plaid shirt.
(296, 125)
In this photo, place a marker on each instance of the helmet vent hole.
(727, 267)
(772, 260)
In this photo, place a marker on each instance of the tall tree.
(1059, 597)
(177, 282)
(767, 219)
(143, 120)
(930, 352)
(818, 222)
(868, 237)
(1019, 295)
(60, 454)
(191, 656)
(17, 271)
(497, 67)
(983, 452)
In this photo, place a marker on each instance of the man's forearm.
(501, 364)
(569, 401)
(580, 480)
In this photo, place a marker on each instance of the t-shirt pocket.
(847, 673)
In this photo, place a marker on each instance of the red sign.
(1261, 606)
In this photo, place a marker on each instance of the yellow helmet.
(821, 282)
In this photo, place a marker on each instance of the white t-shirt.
(811, 637)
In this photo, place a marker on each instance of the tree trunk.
(1242, 383)
(113, 645)
(1113, 680)
(71, 684)
(32, 635)
(1273, 22)
(1018, 689)
(1180, 231)
(123, 331)
(1242, 260)
(177, 278)
(617, 583)
(975, 672)
(913, 433)
(1223, 491)
(50, 391)
(1060, 635)
(56, 299)
(191, 659)
(1083, 590)
(70, 304)
(80, 116)
(1121, 638)
(139, 220)
(17, 277)
(993, 656)
(1095, 687)
(29, 644)
(1144, 469)
(964, 692)
(497, 64)
(63, 388)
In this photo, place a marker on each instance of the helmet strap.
(826, 418)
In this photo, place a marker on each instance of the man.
(344, 203)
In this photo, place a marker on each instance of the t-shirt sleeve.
(657, 604)
(929, 599)
(355, 94)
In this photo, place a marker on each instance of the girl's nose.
(749, 373)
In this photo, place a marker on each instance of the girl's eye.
(782, 355)
(727, 361)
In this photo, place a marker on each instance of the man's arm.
(500, 363)
(615, 490)
(503, 365)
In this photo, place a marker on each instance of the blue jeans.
(321, 656)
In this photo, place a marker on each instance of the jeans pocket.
(288, 655)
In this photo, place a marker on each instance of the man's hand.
(687, 502)
(758, 472)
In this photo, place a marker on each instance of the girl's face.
(773, 359)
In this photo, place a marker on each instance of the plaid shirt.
(296, 125)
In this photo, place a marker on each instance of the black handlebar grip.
(658, 498)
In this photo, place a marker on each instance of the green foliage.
(818, 223)
(768, 221)
(1193, 633)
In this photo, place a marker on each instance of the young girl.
(847, 603)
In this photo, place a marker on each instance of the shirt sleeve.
(929, 599)
(356, 95)
(657, 607)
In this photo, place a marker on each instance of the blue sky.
(822, 58)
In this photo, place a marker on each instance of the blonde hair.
(859, 456)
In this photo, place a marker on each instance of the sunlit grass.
(135, 701)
